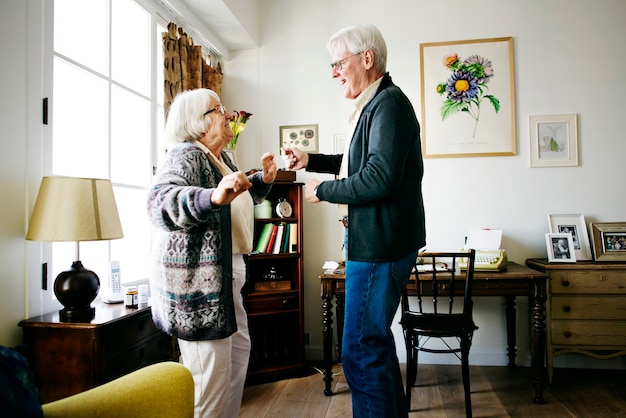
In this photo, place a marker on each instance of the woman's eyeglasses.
(219, 108)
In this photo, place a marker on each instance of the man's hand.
(294, 158)
(309, 191)
(231, 186)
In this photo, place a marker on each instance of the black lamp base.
(76, 289)
(77, 315)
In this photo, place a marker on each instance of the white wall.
(568, 60)
(12, 169)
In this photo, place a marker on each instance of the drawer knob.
(285, 302)
(565, 282)
(567, 334)
(567, 308)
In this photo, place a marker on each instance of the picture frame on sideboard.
(560, 248)
(574, 224)
(609, 241)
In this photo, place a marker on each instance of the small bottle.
(132, 296)
(144, 294)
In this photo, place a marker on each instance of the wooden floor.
(496, 392)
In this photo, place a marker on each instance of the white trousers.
(219, 367)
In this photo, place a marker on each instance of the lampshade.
(75, 209)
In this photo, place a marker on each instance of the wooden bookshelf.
(274, 297)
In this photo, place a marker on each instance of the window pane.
(130, 138)
(79, 109)
(80, 32)
(130, 45)
(132, 251)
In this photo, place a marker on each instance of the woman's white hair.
(358, 38)
(186, 119)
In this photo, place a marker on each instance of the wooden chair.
(445, 325)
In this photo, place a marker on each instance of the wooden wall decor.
(184, 67)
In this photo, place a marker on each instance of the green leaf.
(495, 102)
(449, 108)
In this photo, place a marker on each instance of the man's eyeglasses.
(219, 108)
(338, 65)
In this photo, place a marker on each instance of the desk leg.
(328, 290)
(539, 338)
(340, 303)
(511, 329)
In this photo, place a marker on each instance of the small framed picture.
(304, 137)
(560, 248)
(609, 241)
(575, 225)
(553, 141)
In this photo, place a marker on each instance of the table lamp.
(75, 209)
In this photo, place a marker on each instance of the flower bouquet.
(466, 87)
(238, 125)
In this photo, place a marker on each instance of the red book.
(270, 245)
(278, 242)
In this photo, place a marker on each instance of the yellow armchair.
(159, 390)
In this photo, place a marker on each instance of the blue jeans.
(369, 357)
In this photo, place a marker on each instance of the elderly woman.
(202, 207)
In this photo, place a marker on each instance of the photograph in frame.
(553, 141)
(560, 248)
(304, 137)
(574, 224)
(468, 98)
(609, 241)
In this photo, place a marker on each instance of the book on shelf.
(278, 242)
(293, 238)
(264, 238)
(285, 247)
(270, 244)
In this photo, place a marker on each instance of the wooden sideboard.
(585, 309)
(71, 357)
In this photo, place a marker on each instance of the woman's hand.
(294, 158)
(231, 186)
(269, 168)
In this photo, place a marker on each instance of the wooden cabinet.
(585, 309)
(274, 296)
(71, 357)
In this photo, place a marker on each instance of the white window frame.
(41, 55)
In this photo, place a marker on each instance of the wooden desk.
(516, 280)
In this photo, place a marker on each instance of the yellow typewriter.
(488, 260)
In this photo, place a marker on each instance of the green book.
(264, 238)
(285, 246)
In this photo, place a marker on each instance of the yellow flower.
(238, 125)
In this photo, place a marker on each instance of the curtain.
(184, 66)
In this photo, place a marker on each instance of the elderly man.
(379, 193)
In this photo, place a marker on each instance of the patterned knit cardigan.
(191, 281)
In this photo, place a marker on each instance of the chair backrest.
(437, 275)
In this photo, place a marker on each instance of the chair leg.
(466, 377)
(411, 366)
